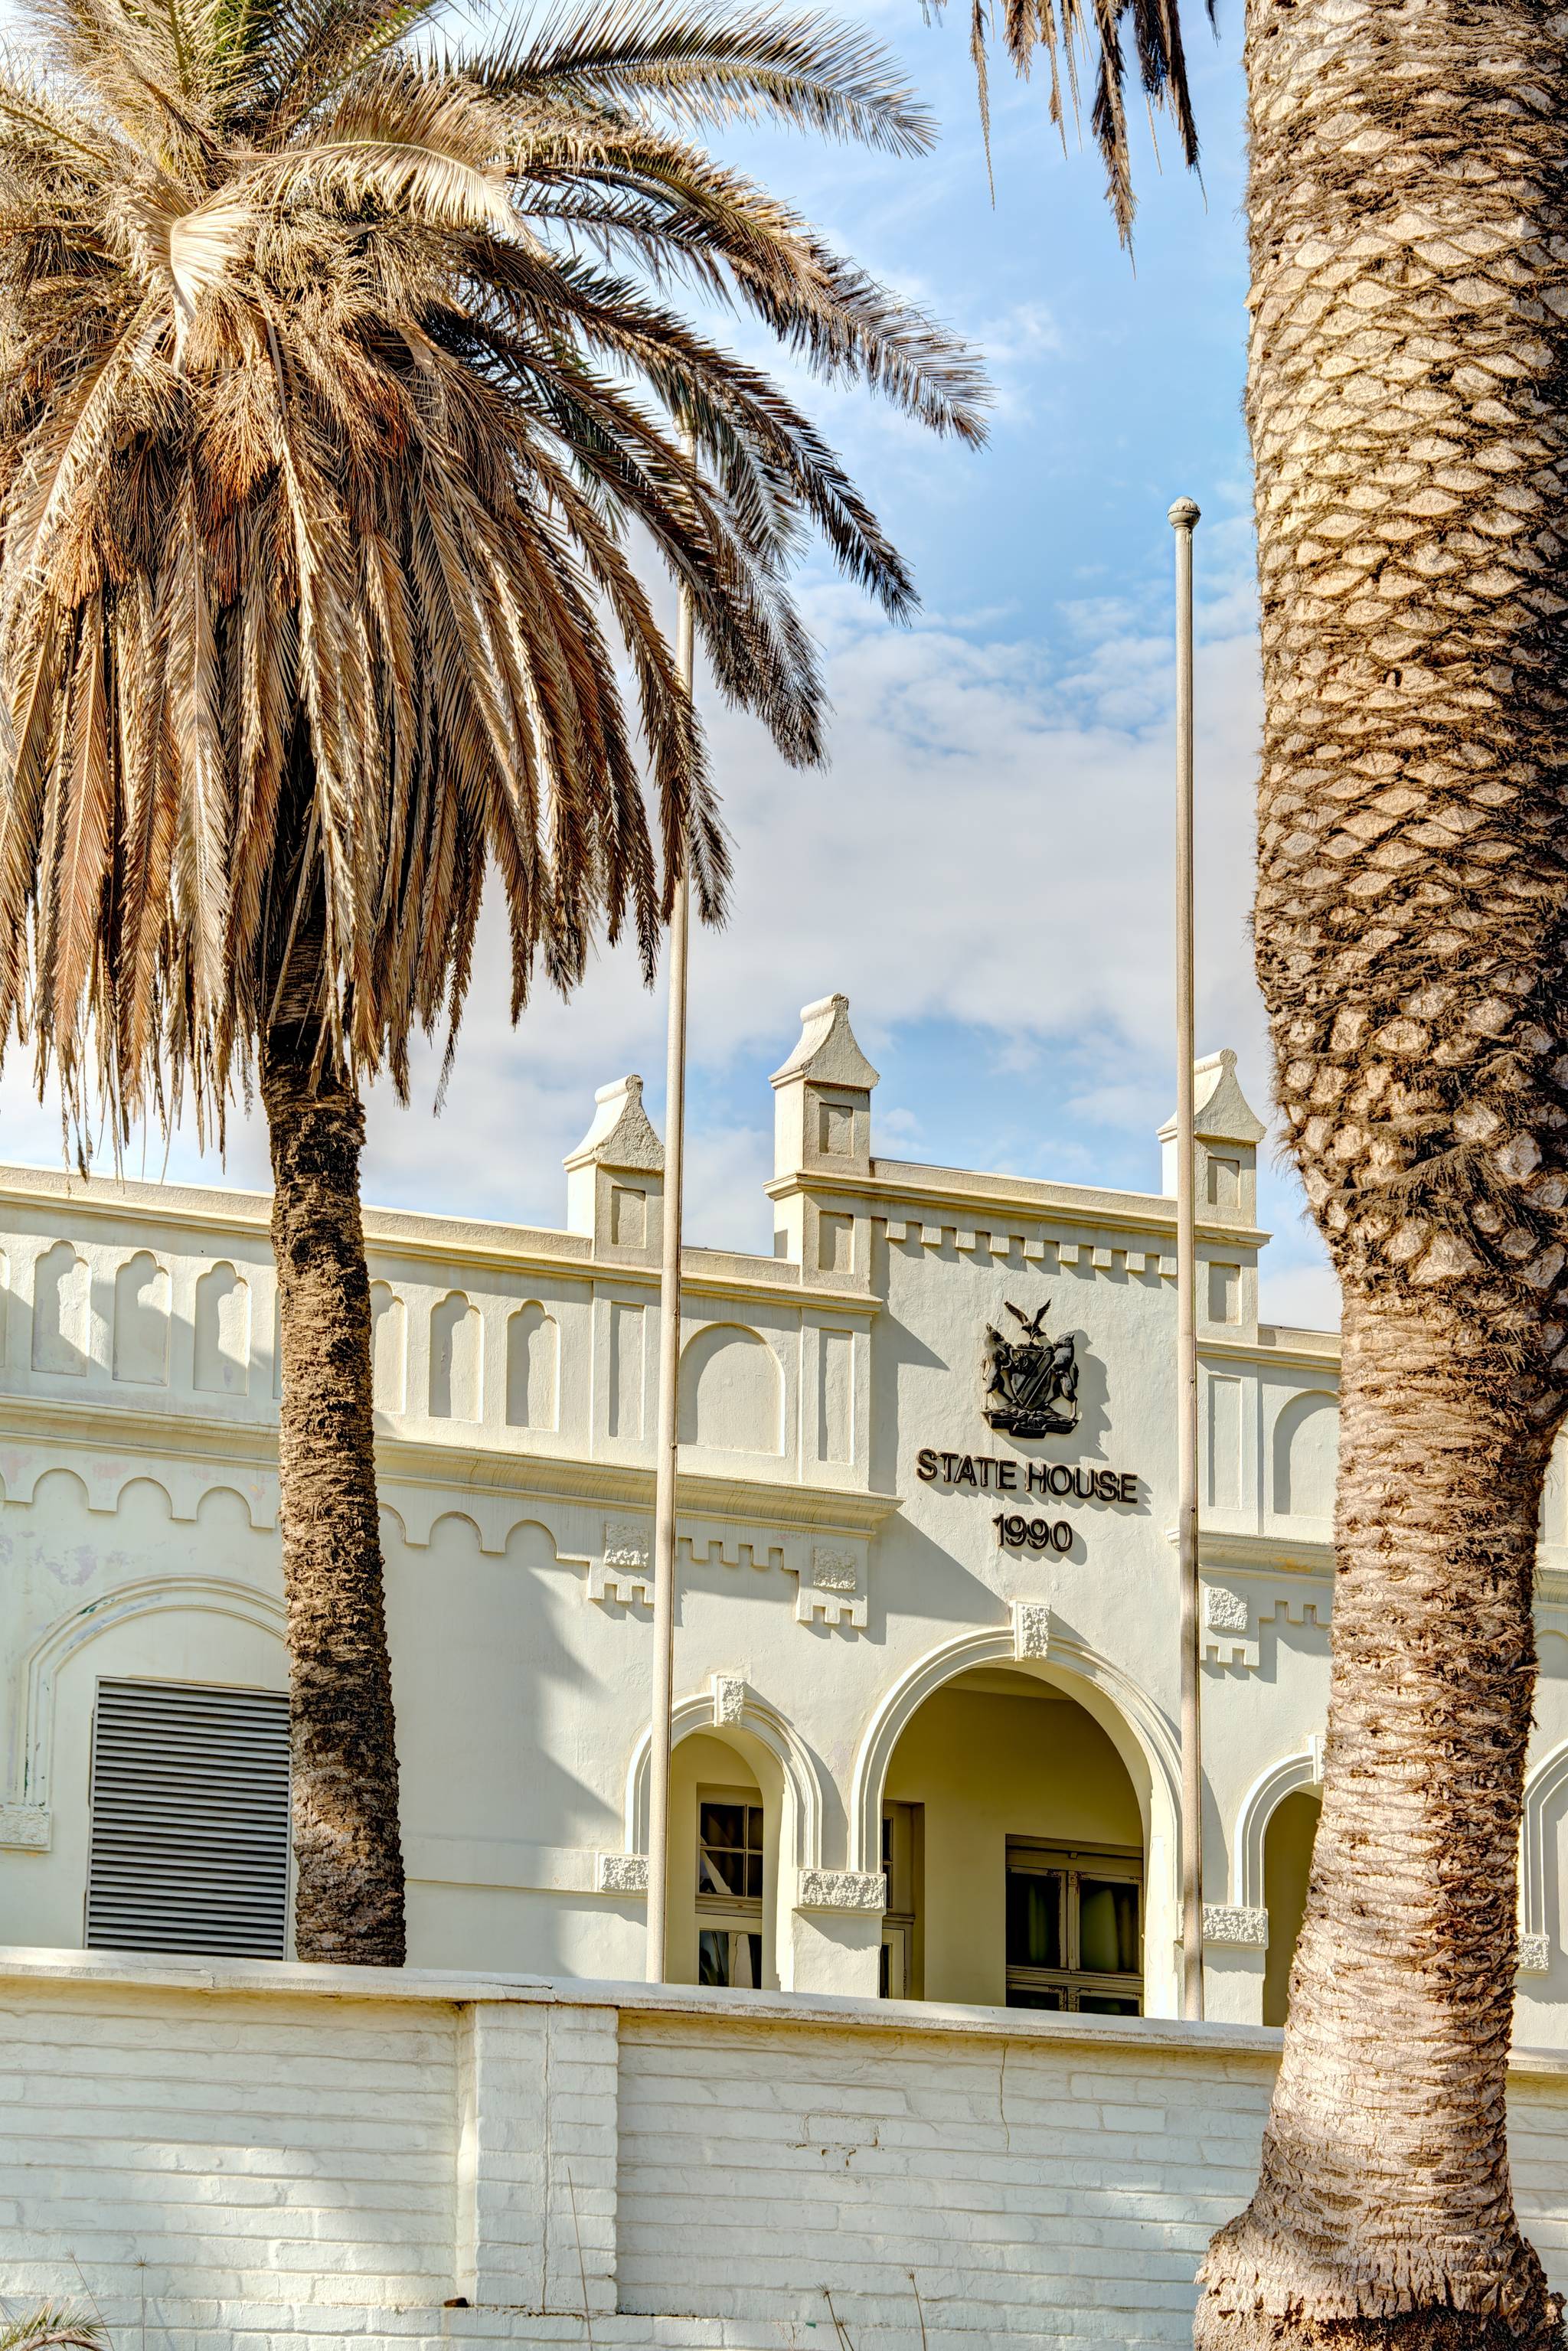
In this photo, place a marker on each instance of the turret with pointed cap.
(822, 1095)
(620, 1215)
(1228, 1130)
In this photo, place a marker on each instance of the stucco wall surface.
(233, 2151)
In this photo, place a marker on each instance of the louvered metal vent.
(190, 1820)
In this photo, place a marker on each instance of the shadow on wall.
(487, 1683)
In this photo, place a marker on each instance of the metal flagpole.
(669, 1391)
(1183, 518)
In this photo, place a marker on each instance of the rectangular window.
(189, 1847)
(730, 1864)
(1074, 1929)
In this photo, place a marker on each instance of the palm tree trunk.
(1408, 364)
(1384, 2187)
(348, 1887)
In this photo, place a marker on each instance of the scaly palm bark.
(347, 1852)
(1407, 206)
(1406, 397)
(335, 371)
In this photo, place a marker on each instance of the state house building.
(926, 1655)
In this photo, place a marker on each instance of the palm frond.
(53, 2326)
(336, 374)
(1092, 31)
(701, 69)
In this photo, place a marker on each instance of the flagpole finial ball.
(1184, 514)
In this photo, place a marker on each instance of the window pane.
(1107, 1926)
(1107, 2003)
(713, 1957)
(1034, 1917)
(754, 1876)
(1048, 1996)
(722, 1824)
(746, 1963)
(722, 1872)
(885, 1973)
(754, 1827)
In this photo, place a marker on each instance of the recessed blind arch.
(190, 1820)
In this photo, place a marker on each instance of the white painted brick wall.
(536, 2172)
(233, 2157)
(1015, 2185)
(169, 2145)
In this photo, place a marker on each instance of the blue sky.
(985, 869)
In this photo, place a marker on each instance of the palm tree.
(1405, 405)
(339, 367)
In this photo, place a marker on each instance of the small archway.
(726, 1809)
(728, 1741)
(1287, 1841)
(456, 1360)
(1539, 1897)
(533, 1368)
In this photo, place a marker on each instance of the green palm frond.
(345, 376)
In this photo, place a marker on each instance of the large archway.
(1044, 1651)
(1014, 1844)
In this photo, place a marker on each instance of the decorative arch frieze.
(185, 1484)
(418, 1510)
(25, 1816)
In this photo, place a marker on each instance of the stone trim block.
(1031, 1628)
(1225, 1922)
(26, 1828)
(841, 1889)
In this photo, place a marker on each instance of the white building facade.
(926, 1651)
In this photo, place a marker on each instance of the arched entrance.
(1014, 1845)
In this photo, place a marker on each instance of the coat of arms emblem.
(1031, 1383)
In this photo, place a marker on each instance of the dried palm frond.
(1094, 30)
(53, 2326)
(341, 369)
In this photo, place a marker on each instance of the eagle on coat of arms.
(1031, 1384)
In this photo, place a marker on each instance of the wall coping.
(24, 1965)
